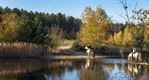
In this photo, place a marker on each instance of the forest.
(27, 26)
(99, 31)
(95, 29)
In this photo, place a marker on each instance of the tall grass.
(22, 50)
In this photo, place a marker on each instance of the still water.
(80, 69)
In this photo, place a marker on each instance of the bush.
(54, 37)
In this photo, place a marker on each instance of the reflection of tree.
(110, 67)
(19, 66)
(21, 70)
(115, 72)
(57, 69)
(27, 76)
(36, 69)
(61, 69)
(146, 73)
(126, 71)
(91, 72)
(54, 72)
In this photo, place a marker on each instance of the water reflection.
(83, 69)
(91, 71)
(115, 72)
(19, 66)
(90, 63)
(125, 71)
(135, 69)
(64, 70)
(20, 69)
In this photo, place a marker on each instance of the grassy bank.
(22, 50)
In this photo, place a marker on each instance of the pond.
(79, 69)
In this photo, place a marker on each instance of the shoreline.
(77, 57)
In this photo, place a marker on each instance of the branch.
(121, 16)
(124, 3)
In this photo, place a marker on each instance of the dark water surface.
(80, 69)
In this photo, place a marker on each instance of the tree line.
(18, 25)
(95, 28)
(99, 30)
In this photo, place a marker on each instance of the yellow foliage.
(118, 38)
(147, 32)
(128, 37)
(121, 39)
(8, 27)
(95, 27)
(111, 39)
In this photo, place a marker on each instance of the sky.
(75, 8)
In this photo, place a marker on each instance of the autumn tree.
(139, 19)
(118, 39)
(95, 28)
(139, 32)
(127, 37)
(8, 28)
(147, 34)
(54, 37)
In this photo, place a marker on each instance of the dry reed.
(22, 50)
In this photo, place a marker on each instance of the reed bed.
(22, 50)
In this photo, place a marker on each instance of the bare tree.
(124, 3)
